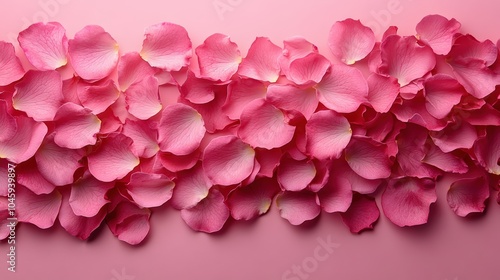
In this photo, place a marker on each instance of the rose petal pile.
(100, 136)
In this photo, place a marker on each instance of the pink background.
(448, 247)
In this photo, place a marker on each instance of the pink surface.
(448, 247)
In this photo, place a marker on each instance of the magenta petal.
(131, 69)
(290, 97)
(11, 69)
(218, 58)
(191, 187)
(209, 215)
(93, 52)
(253, 200)
(295, 175)
(468, 195)
(340, 170)
(88, 196)
(454, 136)
(227, 160)
(368, 158)
(261, 63)
(336, 195)
(442, 92)
(144, 138)
(327, 133)
(40, 210)
(75, 126)
(167, 46)
(487, 150)
(45, 45)
(362, 214)
(4, 214)
(350, 41)
(298, 207)
(445, 161)
(129, 223)
(268, 161)
(476, 78)
(176, 163)
(382, 92)
(143, 100)
(308, 70)
(406, 201)
(7, 122)
(150, 190)
(98, 98)
(239, 94)
(438, 32)
(29, 176)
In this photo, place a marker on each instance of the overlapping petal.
(438, 32)
(218, 57)
(362, 214)
(40, 210)
(261, 62)
(468, 195)
(295, 175)
(291, 97)
(327, 134)
(75, 126)
(298, 207)
(131, 69)
(11, 69)
(150, 190)
(209, 215)
(368, 158)
(143, 100)
(88, 195)
(350, 41)
(250, 201)
(191, 187)
(129, 223)
(98, 97)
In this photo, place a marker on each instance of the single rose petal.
(362, 214)
(404, 59)
(144, 138)
(476, 77)
(294, 48)
(167, 46)
(368, 158)
(406, 201)
(176, 163)
(239, 94)
(298, 207)
(291, 97)
(93, 52)
(445, 161)
(181, 129)
(143, 100)
(336, 195)
(343, 89)
(327, 133)
(438, 32)
(350, 41)
(295, 175)
(191, 187)
(131, 69)
(261, 62)
(218, 57)
(29, 176)
(129, 223)
(487, 150)
(99, 97)
(88, 195)
(253, 200)
(442, 92)
(468, 195)
(383, 90)
(40, 210)
(7, 122)
(75, 126)
(150, 190)
(227, 160)
(45, 45)
(113, 159)
(263, 125)
(39, 94)
(198, 90)
(460, 135)
(11, 69)
(209, 215)
(268, 161)
(308, 70)
(466, 48)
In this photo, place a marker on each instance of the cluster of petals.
(101, 137)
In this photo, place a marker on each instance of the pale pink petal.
(88, 195)
(7, 122)
(298, 207)
(350, 41)
(181, 129)
(368, 158)
(239, 94)
(362, 214)
(438, 32)
(445, 161)
(327, 133)
(150, 190)
(11, 69)
(487, 150)
(290, 97)
(261, 62)
(336, 195)
(29, 176)
(75, 127)
(468, 195)
(191, 187)
(251, 201)
(93, 53)
(176, 163)
(144, 138)
(404, 59)
(40, 210)
(295, 48)
(143, 100)
(308, 70)
(198, 90)
(45, 45)
(218, 57)
(131, 69)
(406, 201)
(99, 97)
(343, 89)
(167, 46)
(383, 90)
(454, 136)
(113, 159)
(294, 175)
(442, 92)
(227, 160)
(265, 126)
(39, 94)
(209, 215)
(268, 161)
(129, 223)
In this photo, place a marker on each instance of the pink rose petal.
(131, 69)
(294, 175)
(98, 97)
(29, 176)
(336, 195)
(468, 195)
(362, 214)
(191, 187)
(75, 127)
(454, 136)
(445, 161)
(176, 163)
(218, 58)
(239, 94)
(290, 97)
(7, 122)
(350, 41)
(327, 133)
(150, 190)
(298, 207)
(368, 158)
(268, 161)
(308, 70)
(209, 215)
(129, 223)
(438, 32)
(442, 92)
(11, 69)
(144, 138)
(40, 210)
(143, 100)
(252, 200)
(261, 63)
(383, 91)
(294, 48)
(487, 150)
(198, 90)
(88, 196)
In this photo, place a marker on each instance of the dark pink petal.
(383, 90)
(252, 200)
(88, 196)
(176, 163)
(113, 159)
(487, 150)
(167, 46)
(143, 100)
(4, 214)
(4, 164)
(45, 45)
(295, 175)
(415, 111)
(268, 161)
(362, 214)
(437, 32)
(129, 223)
(467, 48)
(343, 90)
(40, 210)
(7, 122)
(327, 133)
(404, 59)
(350, 41)
(263, 125)
(191, 187)
(261, 62)
(39, 94)
(29, 176)
(240, 93)
(336, 195)
(150, 190)
(11, 69)
(181, 129)
(227, 160)
(131, 69)
(98, 98)
(468, 195)
(24, 144)
(209, 215)
(295, 48)
(442, 92)
(75, 126)
(340, 169)
(56, 164)
(308, 70)
(197, 90)
(445, 161)
(291, 97)
(476, 77)
(368, 158)
(406, 201)
(144, 138)
(454, 136)
(486, 115)
(298, 207)
(93, 53)
(218, 58)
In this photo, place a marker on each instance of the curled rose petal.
(98, 97)
(209, 215)
(198, 90)
(327, 133)
(218, 57)
(143, 100)
(468, 195)
(454, 136)
(88, 196)
(298, 207)
(75, 126)
(261, 63)
(191, 187)
(368, 158)
(144, 138)
(295, 175)
(445, 161)
(129, 223)
(11, 69)
(40, 210)
(176, 163)
(350, 41)
(294, 48)
(291, 97)
(252, 200)
(362, 214)
(437, 32)
(131, 69)
(150, 190)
